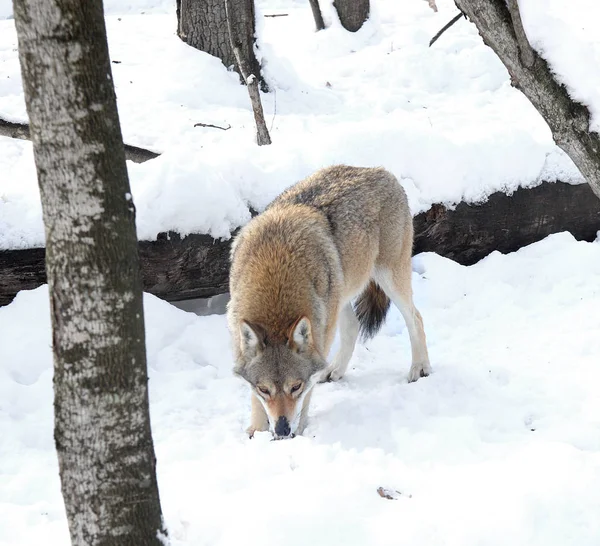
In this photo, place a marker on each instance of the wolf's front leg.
(304, 414)
(258, 417)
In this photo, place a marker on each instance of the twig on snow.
(213, 126)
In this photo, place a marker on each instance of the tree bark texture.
(197, 266)
(568, 120)
(352, 13)
(102, 424)
(203, 25)
(317, 15)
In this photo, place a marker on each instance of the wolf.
(331, 250)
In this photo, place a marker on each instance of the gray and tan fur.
(343, 234)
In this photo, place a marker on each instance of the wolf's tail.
(371, 307)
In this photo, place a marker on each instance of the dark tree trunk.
(203, 24)
(352, 13)
(318, 16)
(500, 27)
(102, 423)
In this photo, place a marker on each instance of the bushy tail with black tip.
(371, 308)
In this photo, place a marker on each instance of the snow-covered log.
(196, 266)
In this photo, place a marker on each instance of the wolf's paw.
(250, 432)
(252, 429)
(331, 374)
(417, 370)
(335, 375)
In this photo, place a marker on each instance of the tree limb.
(212, 126)
(21, 131)
(317, 15)
(568, 119)
(262, 133)
(445, 28)
(525, 49)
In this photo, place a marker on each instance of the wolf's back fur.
(315, 246)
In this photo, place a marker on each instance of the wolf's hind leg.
(258, 417)
(349, 327)
(396, 281)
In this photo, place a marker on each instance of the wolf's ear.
(300, 334)
(252, 338)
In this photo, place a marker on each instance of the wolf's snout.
(282, 426)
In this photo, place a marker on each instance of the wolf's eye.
(264, 390)
(296, 387)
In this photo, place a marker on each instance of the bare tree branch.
(525, 49)
(21, 131)
(212, 126)
(445, 28)
(318, 16)
(568, 119)
(252, 80)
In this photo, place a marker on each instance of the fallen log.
(508, 222)
(196, 266)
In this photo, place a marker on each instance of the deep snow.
(444, 119)
(500, 445)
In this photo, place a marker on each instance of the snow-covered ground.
(443, 119)
(500, 445)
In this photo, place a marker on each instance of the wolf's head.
(280, 374)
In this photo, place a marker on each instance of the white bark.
(102, 426)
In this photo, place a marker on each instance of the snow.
(500, 445)
(567, 35)
(444, 119)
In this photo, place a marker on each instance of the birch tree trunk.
(203, 24)
(102, 424)
(499, 24)
(352, 13)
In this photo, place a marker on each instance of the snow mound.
(443, 119)
(498, 446)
